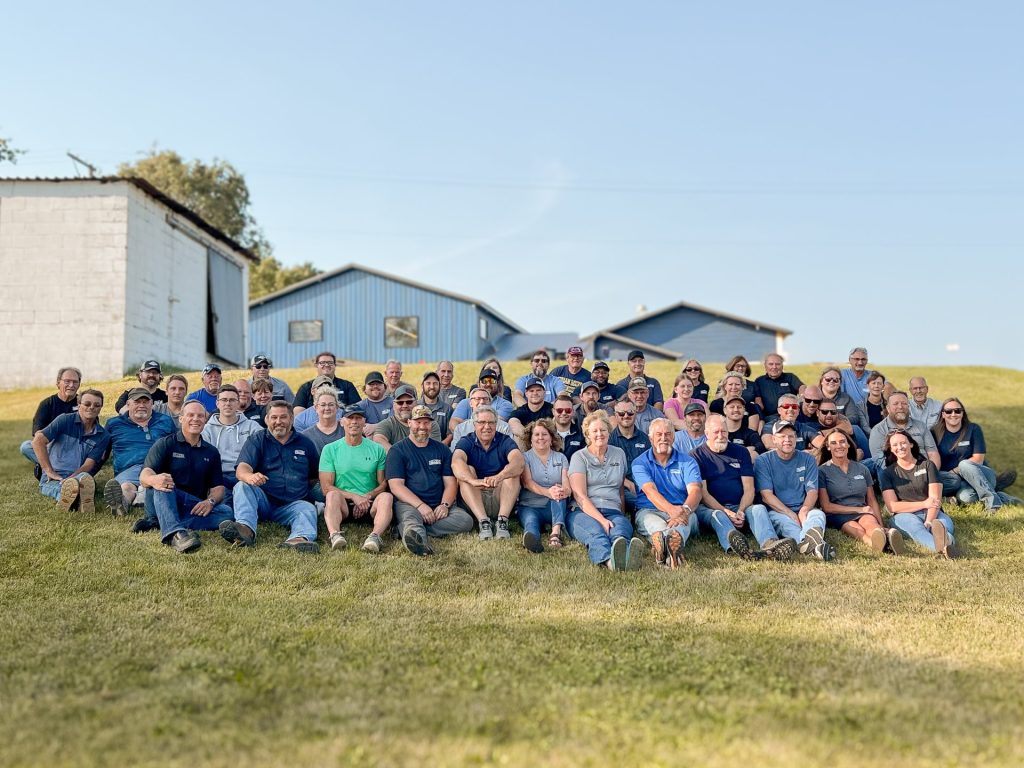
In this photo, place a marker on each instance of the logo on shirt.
(434, 463)
(858, 477)
(921, 472)
(964, 443)
(734, 464)
(177, 455)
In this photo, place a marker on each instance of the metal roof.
(697, 308)
(513, 346)
(671, 354)
(386, 276)
(156, 194)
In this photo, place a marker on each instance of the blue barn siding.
(697, 334)
(496, 328)
(353, 306)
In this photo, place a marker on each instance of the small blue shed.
(367, 315)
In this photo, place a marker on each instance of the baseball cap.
(429, 375)
(577, 350)
(733, 398)
(354, 410)
(638, 383)
(487, 373)
(319, 381)
(693, 408)
(210, 367)
(781, 425)
(262, 359)
(374, 377)
(421, 412)
(150, 365)
(138, 393)
(533, 381)
(635, 354)
(600, 364)
(595, 385)
(404, 389)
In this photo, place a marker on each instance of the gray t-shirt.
(544, 475)
(604, 478)
(393, 430)
(920, 433)
(850, 488)
(320, 440)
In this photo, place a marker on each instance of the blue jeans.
(785, 527)
(861, 440)
(649, 521)
(51, 488)
(230, 481)
(757, 519)
(173, 509)
(27, 452)
(534, 518)
(912, 524)
(251, 504)
(975, 482)
(588, 532)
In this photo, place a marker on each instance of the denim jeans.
(251, 504)
(785, 527)
(757, 519)
(534, 518)
(173, 510)
(975, 482)
(649, 521)
(861, 440)
(51, 488)
(912, 524)
(27, 452)
(131, 475)
(588, 532)
(408, 517)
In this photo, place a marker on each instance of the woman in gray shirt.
(545, 486)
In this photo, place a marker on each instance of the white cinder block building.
(105, 273)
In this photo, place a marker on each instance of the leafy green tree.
(9, 154)
(270, 275)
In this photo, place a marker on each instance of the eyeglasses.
(811, 401)
(227, 399)
(691, 369)
(952, 410)
(325, 363)
(403, 403)
(262, 366)
(827, 411)
(831, 380)
(896, 431)
(562, 410)
(625, 413)
(540, 360)
(491, 424)
(789, 406)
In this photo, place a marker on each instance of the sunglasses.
(827, 412)
(262, 366)
(562, 410)
(952, 410)
(831, 380)
(625, 413)
(691, 369)
(791, 406)
(812, 402)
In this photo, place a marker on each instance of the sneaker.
(414, 542)
(658, 545)
(675, 556)
(531, 541)
(502, 532)
(779, 549)
(939, 537)
(37, 472)
(235, 533)
(144, 524)
(185, 541)
(300, 545)
(87, 494)
(896, 543)
(486, 530)
(373, 544)
(113, 497)
(68, 494)
(617, 562)
(337, 541)
(634, 554)
(820, 548)
(320, 507)
(738, 543)
(952, 551)
(878, 540)
(1006, 479)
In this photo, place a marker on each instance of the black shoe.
(37, 472)
(779, 549)
(145, 524)
(185, 541)
(532, 542)
(300, 545)
(233, 533)
(414, 542)
(1003, 479)
(738, 543)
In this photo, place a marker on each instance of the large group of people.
(615, 466)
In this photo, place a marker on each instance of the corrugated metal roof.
(671, 354)
(387, 276)
(696, 308)
(513, 346)
(156, 194)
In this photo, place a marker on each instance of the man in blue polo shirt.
(538, 370)
(488, 466)
(276, 469)
(132, 434)
(668, 489)
(70, 450)
(787, 480)
(185, 482)
(573, 375)
(727, 496)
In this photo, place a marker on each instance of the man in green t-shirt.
(352, 479)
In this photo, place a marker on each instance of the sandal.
(555, 540)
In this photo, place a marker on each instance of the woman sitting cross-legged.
(913, 494)
(597, 521)
(846, 496)
(545, 486)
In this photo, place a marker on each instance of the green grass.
(117, 651)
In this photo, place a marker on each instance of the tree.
(218, 192)
(9, 154)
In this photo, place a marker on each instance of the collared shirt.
(670, 480)
(544, 474)
(466, 428)
(724, 472)
(553, 386)
(572, 441)
(604, 478)
(917, 430)
(499, 404)
(632, 446)
(928, 414)
(850, 488)
(132, 441)
(790, 479)
(196, 469)
(856, 388)
(291, 467)
(70, 445)
(957, 446)
(423, 469)
(487, 461)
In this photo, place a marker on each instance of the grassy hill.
(117, 651)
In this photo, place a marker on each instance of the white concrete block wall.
(62, 257)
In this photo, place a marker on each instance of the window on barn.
(483, 327)
(305, 330)
(402, 331)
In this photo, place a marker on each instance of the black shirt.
(195, 469)
(909, 485)
(701, 391)
(255, 413)
(49, 409)
(770, 390)
(718, 406)
(347, 394)
(159, 396)
(527, 417)
(748, 438)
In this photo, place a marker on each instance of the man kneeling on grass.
(186, 483)
(70, 451)
(276, 469)
(352, 480)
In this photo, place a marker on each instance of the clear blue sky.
(852, 172)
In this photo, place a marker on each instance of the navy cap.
(404, 389)
(600, 364)
(354, 410)
(533, 381)
(635, 354)
(374, 376)
(210, 368)
(487, 373)
(150, 365)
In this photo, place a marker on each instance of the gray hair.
(328, 390)
(392, 361)
(65, 369)
(474, 390)
(484, 409)
(855, 350)
(659, 422)
(713, 417)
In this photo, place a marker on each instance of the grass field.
(116, 651)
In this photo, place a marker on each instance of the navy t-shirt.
(195, 469)
(770, 390)
(291, 468)
(748, 438)
(490, 461)
(610, 394)
(718, 406)
(572, 381)
(422, 469)
(954, 448)
(724, 472)
(701, 391)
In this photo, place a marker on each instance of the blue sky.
(851, 173)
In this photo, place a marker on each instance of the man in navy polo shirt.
(566, 426)
(132, 434)
(727, 496)
(773, 384)
(488, 466)
(276, 469)
(668, 490)
(538, 370)
(186, 486)
(637, 362)
(633, 442)
(207, 394)
(573, 374)
(606, 393)
(71, 450)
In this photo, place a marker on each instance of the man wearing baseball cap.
(535, 408)
(132, 434)
(377, 404)
(639, 393)
(637, 363)
(695, 415)
(207, 394)
(261, 365)
(538, 370)
(488, 380)
(572, 374)
(440, 408)
(607, 393)
(149, 376)
(396, 426)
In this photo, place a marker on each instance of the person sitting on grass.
(149, 377)
(207, 394)
(450, 393)
(260, 369)
(177, 389)
(552, 385)
(597, 521)
(736, 416)
(377, 403)
(477, 396)
(227, 431)
(326, 364)
(420, 477)
(132, 434)
(352, 480)
(396, 426)
(307, 417)
(847, 496)
(732, 386)
(71, 450)
(185, 482)
(534, 409)
(488, 466)
(65, 400)
(262, 395)
(668, 489)
(276, 469)
(545, 486)
(912, 492)
(682, 396)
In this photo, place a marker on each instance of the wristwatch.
(446, 505)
